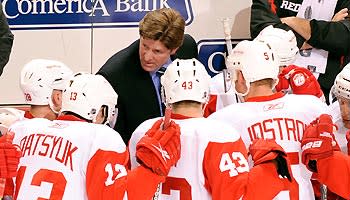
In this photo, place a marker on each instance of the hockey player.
(320, 155)
(219, 98)
(42, 82)
(267, 114)
(213, 162)
(9, 153)
(292, 79)
(340, 109)
(77, 157)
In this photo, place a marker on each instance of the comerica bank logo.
(212, 53)
(38, 14)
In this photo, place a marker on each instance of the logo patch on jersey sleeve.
(299, 79)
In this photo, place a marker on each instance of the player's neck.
(188, 110)
(42, 111)
(257, 91)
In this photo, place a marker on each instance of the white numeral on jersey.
(120, 169)
(314, 144)
(227, 163)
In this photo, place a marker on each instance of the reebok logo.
(164, 153)
(273, 106)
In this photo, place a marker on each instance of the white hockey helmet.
(86, 93)
(256, 60)
(8, 116)
(185, 79)
(341, 86)
(283, 42)
(39, 77)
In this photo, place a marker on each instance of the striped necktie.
(160, 72)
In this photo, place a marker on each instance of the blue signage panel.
(212, 54)
(36, 14)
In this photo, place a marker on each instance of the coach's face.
(344, 105)
(153, 54)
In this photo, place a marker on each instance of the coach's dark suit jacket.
(137, 98)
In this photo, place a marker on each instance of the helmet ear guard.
(185, 79)
(341, 86)
(86, 94)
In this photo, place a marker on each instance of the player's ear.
(101, 117)
(56, 98)
(240, 84)
(173, 51)
(240, 77)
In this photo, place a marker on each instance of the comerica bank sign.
(42, 14)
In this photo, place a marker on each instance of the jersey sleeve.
(261, 17)
(104, 170)
(142, 183)
(227, 174)
(210, 106)
(107, 174)
(331, 36)
(334, 172)
(108, 178)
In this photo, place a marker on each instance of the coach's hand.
(263, 151)
(160, 149)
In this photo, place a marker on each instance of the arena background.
(66, 30)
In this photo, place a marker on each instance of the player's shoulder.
(109, 138)
(97, 132)
(230, 111)
(305, 97)
(209, 129)
(102, 137)
(144, 127)
(102, 130)
(304, 100)
(35, 122)
(334, 110)
(140, 131)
